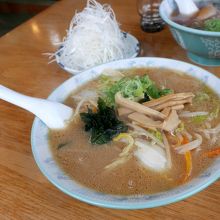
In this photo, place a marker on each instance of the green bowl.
(203, 47)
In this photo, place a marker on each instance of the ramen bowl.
(202, 47)
(49, 167)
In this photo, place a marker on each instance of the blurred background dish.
(203, 47)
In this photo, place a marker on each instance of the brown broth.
(85, 162)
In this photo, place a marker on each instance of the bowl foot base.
(203, 61)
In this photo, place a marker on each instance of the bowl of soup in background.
(203, 47)
(50, 168)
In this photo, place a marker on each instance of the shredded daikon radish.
(192, 114)
(94, 37)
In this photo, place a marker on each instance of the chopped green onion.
(212, 25)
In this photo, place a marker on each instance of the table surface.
(24, 192)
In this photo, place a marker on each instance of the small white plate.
(132, 51)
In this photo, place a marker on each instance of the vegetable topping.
(103, 124)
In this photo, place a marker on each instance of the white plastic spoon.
(186, 7)
(53, 114)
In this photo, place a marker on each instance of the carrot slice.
(212, 153)
(188, 158)
(185, 140)
(188, 161)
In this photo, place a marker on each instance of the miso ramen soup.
(207, 18)
(139, 131)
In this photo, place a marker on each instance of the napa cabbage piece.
(152, 157)
(135, 88)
